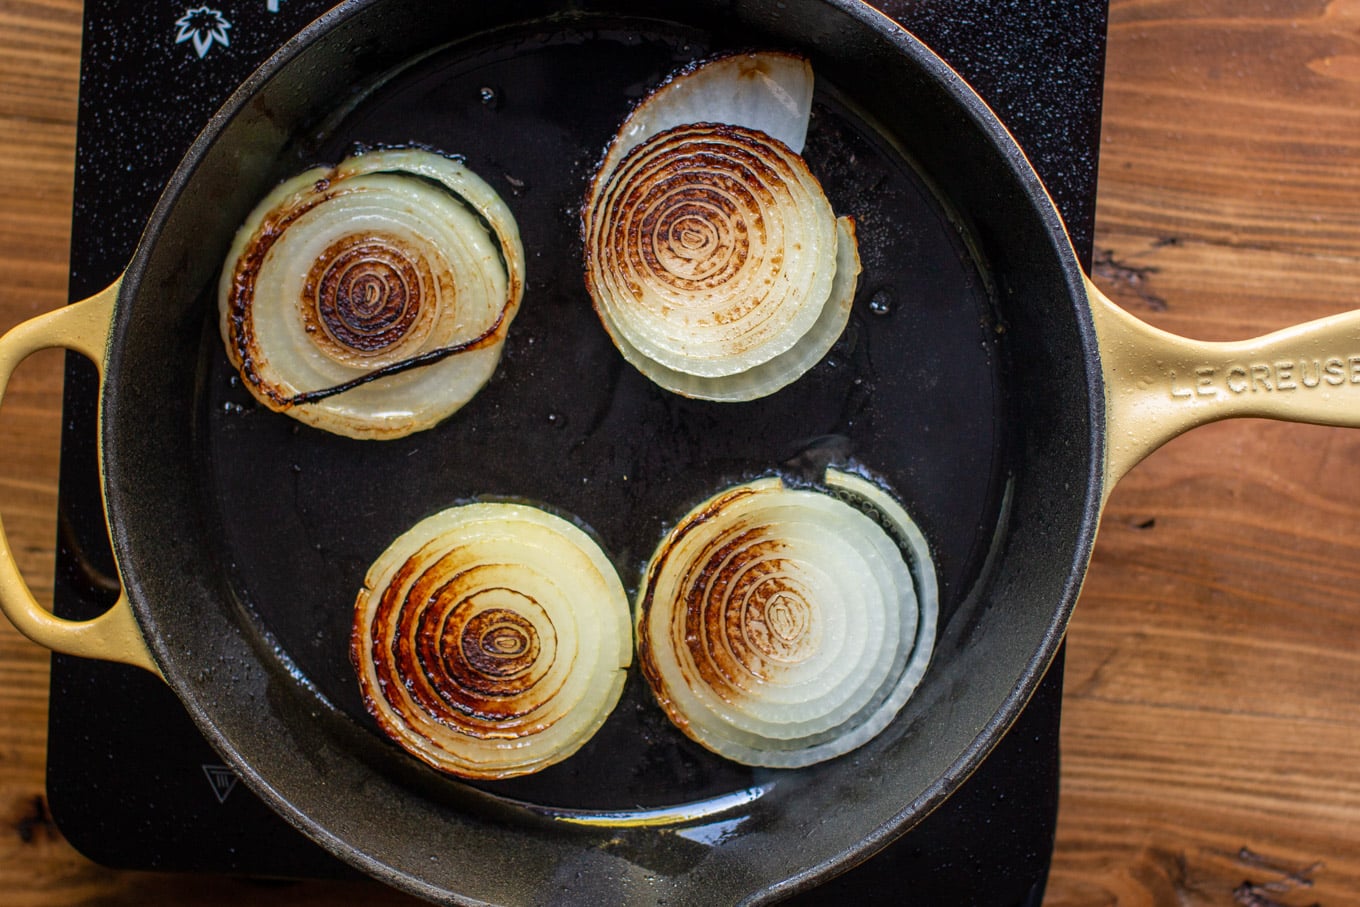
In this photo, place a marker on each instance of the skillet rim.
(1024, 176)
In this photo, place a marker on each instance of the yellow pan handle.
(113, 635)
(1158, 385)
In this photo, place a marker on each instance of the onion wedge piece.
(782, 626)
(491, 640)
(712, 255)
(372, 299)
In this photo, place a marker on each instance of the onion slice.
(372, 299)
(768, 377)
(712, 255)
(491, 640)
(769, 91)
(782, 626)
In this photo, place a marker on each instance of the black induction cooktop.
(132, 784)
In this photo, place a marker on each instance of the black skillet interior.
(939, 389)
(567, 423)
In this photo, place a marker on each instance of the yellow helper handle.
(113, 635)
(1158, 384)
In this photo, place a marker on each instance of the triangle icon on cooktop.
(223, 780)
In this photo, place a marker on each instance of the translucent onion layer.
(372, 299)
(783, 626)
(769, 91)
(491, 640)
(712, 255)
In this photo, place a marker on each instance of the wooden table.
(1212, 709)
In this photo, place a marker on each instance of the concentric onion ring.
(769, 91)
(491, 640)
(781, 626)
(372, 299)
(713, 257)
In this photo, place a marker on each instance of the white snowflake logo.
(205, 27)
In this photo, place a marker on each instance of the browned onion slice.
(712, 255)
(491, 640)
(372, 299)
(784, 626)
(768, 91)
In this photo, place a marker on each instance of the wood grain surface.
(1212, 705)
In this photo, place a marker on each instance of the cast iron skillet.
(982, 378)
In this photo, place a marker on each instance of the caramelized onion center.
(365, 295)
(481, 648)
(499, 647)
